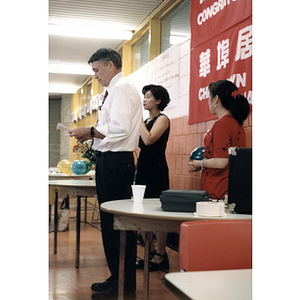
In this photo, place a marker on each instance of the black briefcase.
(182, 200)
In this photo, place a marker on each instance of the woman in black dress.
(152, 167)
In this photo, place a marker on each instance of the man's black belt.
(99, 153)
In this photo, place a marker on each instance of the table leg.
(55, 221)
(78, 231)
(49, 214)
(122, 265)
(148, 236)
(85, 209)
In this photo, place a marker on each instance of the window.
(140, 52)
(89, 91)
(176, 26)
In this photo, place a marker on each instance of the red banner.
(221, 48)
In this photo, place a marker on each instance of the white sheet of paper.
(60, 126)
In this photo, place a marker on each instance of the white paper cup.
(138, 192)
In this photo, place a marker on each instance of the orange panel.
(215, 245)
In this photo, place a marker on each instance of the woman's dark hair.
(238, 105)
(105, 55)
(159, 93)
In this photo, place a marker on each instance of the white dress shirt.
(120, 117)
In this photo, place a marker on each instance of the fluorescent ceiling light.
(89, 32)
(70, 69)
(62, 89)
(90, 24)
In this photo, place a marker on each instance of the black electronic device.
(182, 200)
(240, 180)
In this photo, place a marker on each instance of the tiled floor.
(68, 283)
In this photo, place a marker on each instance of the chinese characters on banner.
(221, 48)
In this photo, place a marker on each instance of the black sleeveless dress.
(152, 169)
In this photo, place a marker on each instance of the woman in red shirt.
(232, 109)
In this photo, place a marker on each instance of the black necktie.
(105, 96)
(100, 106)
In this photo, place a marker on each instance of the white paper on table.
(60, 126)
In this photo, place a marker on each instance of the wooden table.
(61, 176)
(209, 285)
(148, 216)
(78, 188)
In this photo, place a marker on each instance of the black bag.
(182, 200)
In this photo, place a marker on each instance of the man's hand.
(81, 134)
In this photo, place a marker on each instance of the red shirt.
(225, 133)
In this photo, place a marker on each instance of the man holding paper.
(115, 137)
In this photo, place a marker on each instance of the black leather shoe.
(140, 263)
(108, 294)
(101, 286)
(164, 265)
(112, 294)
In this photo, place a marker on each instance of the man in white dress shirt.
(115, 137)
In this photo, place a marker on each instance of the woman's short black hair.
(159, 93)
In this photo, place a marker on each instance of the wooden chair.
(215, 245)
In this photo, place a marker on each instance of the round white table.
(148, 216)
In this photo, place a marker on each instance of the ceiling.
(68, 55)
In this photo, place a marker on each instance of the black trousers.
(114, 177)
